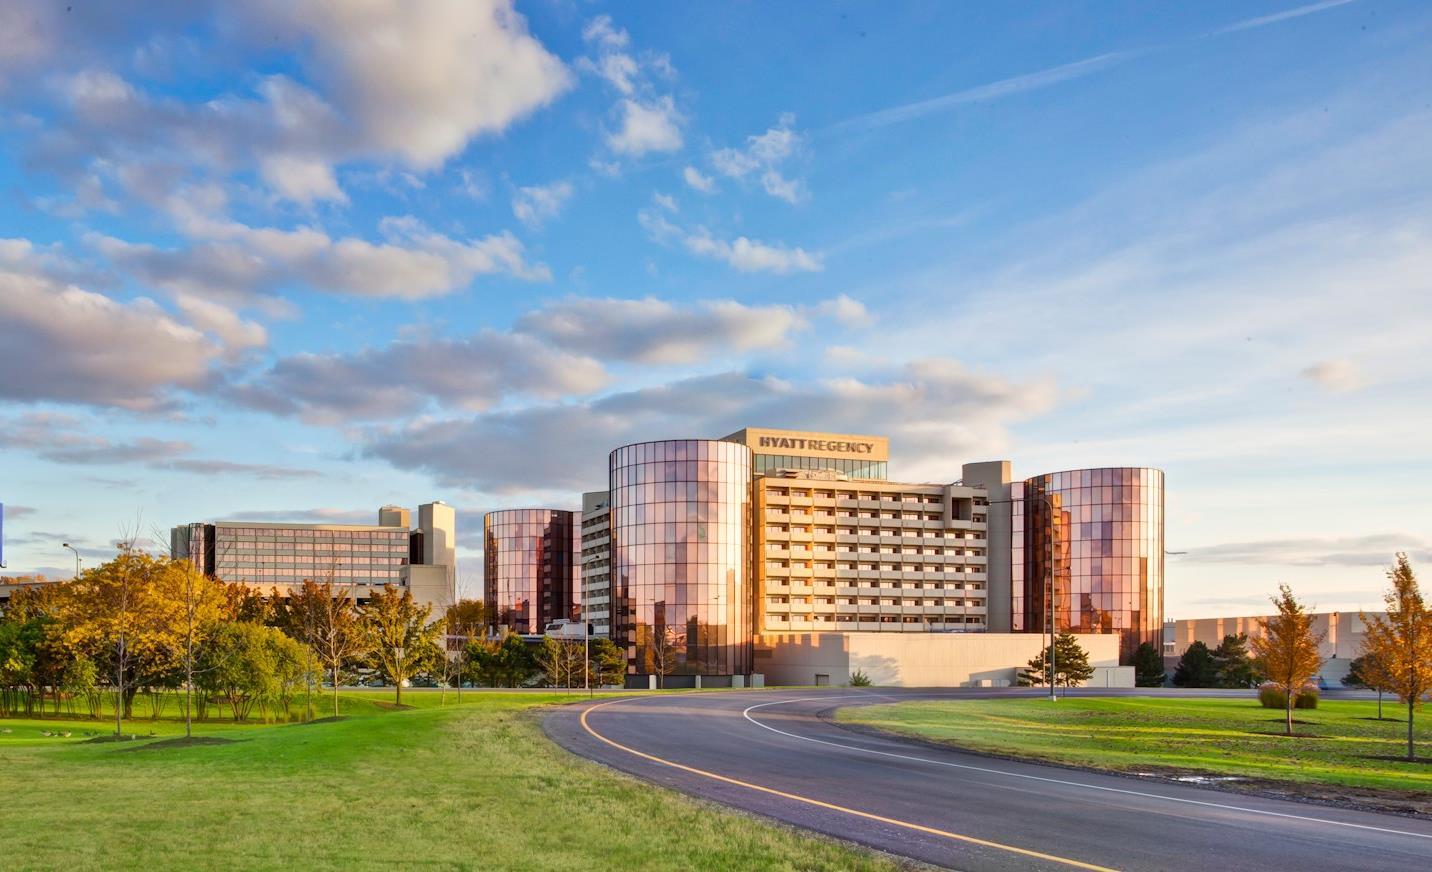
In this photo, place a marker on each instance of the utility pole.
(77, 557)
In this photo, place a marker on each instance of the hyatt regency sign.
(805, 444)
(834, 446)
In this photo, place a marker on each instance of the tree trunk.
(1288, 710)
(1379, 703)
(335, 691)
(398, 690)
(1411, 706)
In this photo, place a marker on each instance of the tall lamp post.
(77, 558)
(1048, 584)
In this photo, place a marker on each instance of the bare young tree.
(339, 636)
(1287, 651)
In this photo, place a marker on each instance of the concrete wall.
(920, 659)
(430, 585)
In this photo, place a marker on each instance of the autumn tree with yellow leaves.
(401, 639)
(1401, 643)
(1286, 653)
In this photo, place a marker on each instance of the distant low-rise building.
(281, 556)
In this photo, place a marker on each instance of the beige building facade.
(922, 659)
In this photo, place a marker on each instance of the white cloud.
(535, 205)
(703, 183)
(1376, 549)
(665, 201)
(381, 80)
(762, 156)
(748, 255)
(937, 413)
(1334, 375)
(657, 331)
(238, 262)
(646, 127)
(235, 332)
(409, 374)
(846, 310)
(61, 343)
(647, 120)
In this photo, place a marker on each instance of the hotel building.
(532, 568)
(365, 557)
(597, 561)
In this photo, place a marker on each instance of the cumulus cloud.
(749, 255)
(646, 119)
(646, 127)
(536, 204)
(698, 181)
(408, 374)
(441, 74)
(761, 158)
(656, 331)
(236, 262)
(937, 412)
(1334, 375)
(62, 343)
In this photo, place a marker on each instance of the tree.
(1196, 668)
(403, 641)
(194, 604)
(1401, 643)
(249, 664)
(1148, 666)
(514, 660)
(301, 615)
(608, 662)
(1366, 672)
(339, 633)
(1286, 653)
(111, 614)
(1233, 667)
(465, 620)
(1071, 665)
(559, 660)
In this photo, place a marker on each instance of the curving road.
(770, 752)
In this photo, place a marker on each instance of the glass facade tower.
(532, 567)
(680, 540)
(1098, 534)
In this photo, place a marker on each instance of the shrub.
(858, 678)
(1271, 696)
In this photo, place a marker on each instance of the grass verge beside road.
(470, 786)
(1342, 753)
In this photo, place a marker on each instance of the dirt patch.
(101, 739)
(183, 742)
(393, 706)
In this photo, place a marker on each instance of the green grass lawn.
(1218, 736)
(451, 787)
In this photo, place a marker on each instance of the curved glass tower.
(532, 567)
(680, 513)
(1098, 535)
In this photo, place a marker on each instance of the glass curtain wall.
(1100, 534)
(680, 513)
(532, 567)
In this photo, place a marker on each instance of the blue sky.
(299, 259)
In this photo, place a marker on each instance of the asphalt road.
(770, 752)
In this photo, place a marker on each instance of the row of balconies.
(883, 609)
(846, 577)
(774, 551)
(831, 626)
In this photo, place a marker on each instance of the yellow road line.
(821, 804)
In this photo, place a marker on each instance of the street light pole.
(77, 557)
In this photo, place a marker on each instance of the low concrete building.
(1341, 632)
(922, 659)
